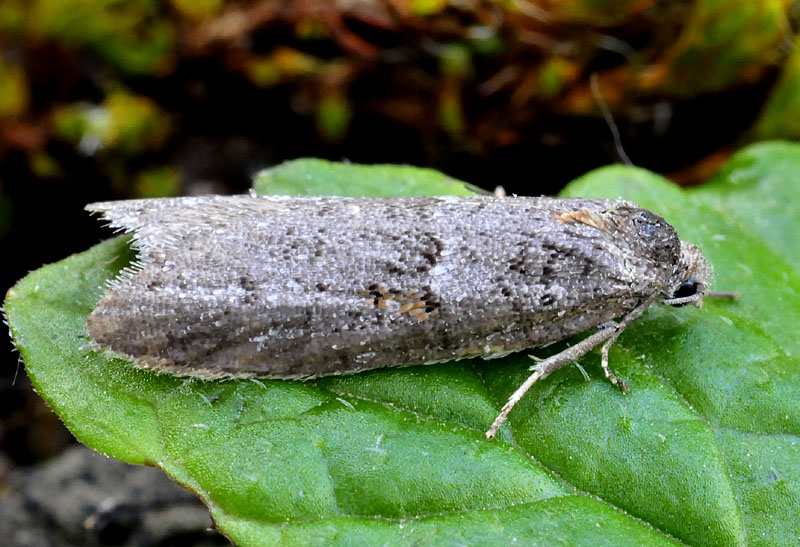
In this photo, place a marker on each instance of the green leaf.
(325, 178)
(703, 450)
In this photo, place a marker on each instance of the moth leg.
(627, 320)
(547, 366)
(623, 385)
(608, 334)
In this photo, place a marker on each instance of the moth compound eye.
(687, 288)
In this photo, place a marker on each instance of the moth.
(307, 286)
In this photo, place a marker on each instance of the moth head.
(691, 279)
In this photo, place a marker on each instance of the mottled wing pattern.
(299, 287)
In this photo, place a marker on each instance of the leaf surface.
(703, 450)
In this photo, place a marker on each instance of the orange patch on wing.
(411, 301)
(583, 217)
(419, 314)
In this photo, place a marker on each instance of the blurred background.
(112, 99)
